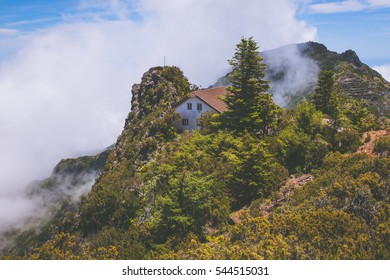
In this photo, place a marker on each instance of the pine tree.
(326, 95)
(249, 107)
(327, 99)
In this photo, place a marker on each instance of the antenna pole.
(164, 60)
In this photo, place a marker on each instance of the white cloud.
(302, 72)
(29, 22)
(347, 6)
(378, 3)
(67, 89)
(384, 70)
(8, 32)
(340, 6)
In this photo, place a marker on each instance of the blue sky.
(341, 24)
(359, 25)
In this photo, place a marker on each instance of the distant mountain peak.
(292, 71)
(352, 57)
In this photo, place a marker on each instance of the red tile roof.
(211, 97)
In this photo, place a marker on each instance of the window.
(189, 106)
(199, 106)
(184, 122)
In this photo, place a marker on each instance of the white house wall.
(191, 115)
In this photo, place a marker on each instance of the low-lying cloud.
(384, 70)
(66, 88)
(38, 203)
(298, 72)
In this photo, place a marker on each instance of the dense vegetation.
(226, 191)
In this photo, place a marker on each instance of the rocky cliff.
(114, 198)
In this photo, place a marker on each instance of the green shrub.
(382, 145)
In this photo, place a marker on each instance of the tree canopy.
(249, 107)
(326, 94)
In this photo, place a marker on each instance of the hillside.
(292, 71)
(57, 200)
(300, 190)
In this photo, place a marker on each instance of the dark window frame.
(184, 122)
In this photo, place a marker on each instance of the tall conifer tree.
(249, 107)
(326, 94)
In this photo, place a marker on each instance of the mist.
(295, 73)
(40, 202)
(66, 89)
(384, 70)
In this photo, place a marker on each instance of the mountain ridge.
(356, 79)
(161, 194)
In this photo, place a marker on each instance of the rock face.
(351, 56)
(113, 199)
(152, 106)
(159, 87)
(156, 89)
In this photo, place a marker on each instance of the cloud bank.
(347, 6)
(384, 70)
(298, 73)
(66, 88)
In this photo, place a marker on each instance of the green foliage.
(249, 108)
(322, 233)
(248, 73)
(302, 145)
(130, 244)
(69, 247)
(208, 122)
(353, 183)
(326, 96)
(81, 165)
(252, 170)
(161, 87)
(342, 214)
(249, 239)
(183, 192)
(347, 140)
(108, 206)
(382, 145)
(176, 77)
(191, 204)
(299, 152)
(195, 180)
(359, 116)
(308, 119)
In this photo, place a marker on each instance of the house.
(198, 102)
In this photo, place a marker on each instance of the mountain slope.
(114, 199)
(215, 194)
(292, 71)
(56, 200)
